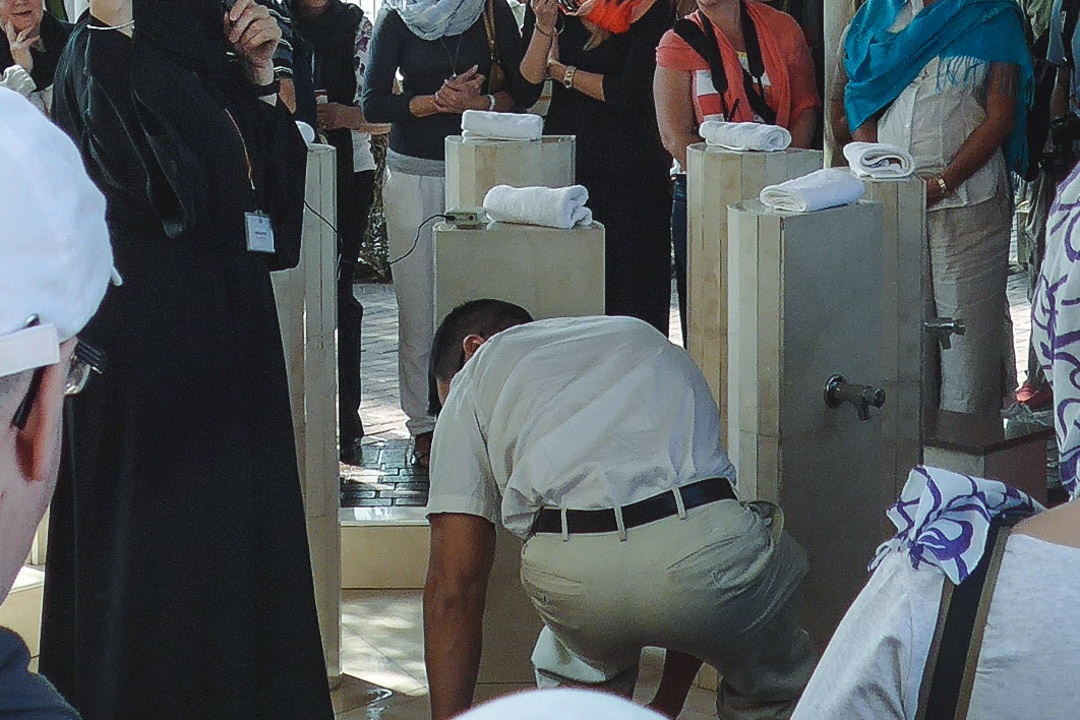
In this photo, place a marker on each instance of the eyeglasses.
(84, 360)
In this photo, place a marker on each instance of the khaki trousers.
(719, 584)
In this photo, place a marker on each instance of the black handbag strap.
(949, 674)
(702, 40)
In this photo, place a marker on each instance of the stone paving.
(388, 479)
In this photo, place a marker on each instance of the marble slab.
(307, 312)
(805, 302)
(907, 301)
(549, 272)
(717, 178)
(475, 166)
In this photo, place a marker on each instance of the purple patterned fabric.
(943, 517)
(1055, 323)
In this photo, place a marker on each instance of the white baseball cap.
(55, 256)
(560, 704)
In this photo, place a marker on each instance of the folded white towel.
(878, 160)
(550, 207)
(819, 190)
(501, 126)
(744, 135)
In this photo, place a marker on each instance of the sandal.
(421, 450)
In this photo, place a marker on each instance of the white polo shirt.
(581, 413)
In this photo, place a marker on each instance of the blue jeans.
(678, 242)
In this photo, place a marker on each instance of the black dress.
(178, 582)
(620, 158)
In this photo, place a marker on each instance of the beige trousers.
(719, 584)
(409, 200)
(969, 259)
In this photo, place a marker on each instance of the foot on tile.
(352, 452)
(421, 451)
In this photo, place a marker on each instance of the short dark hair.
(477, 317)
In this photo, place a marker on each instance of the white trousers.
(408, 201)
(969, 259)
(720, 585)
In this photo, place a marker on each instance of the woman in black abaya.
(178, 582)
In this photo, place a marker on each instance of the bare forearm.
(976, 151)
(677, 143)
(867, 132)
(802, 130)
(534, 62)
(839, 132)
(589, 83)
(452, 645)
(423, 106)
(985, 140)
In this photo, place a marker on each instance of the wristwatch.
(568, 77)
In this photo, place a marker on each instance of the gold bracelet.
(568, 77)
(942, 186)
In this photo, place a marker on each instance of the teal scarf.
(880, 64)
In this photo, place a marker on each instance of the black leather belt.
(657, 507)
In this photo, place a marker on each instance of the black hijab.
(190, 34)
(54, 35)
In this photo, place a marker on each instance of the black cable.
(373, 264)
(416, 240)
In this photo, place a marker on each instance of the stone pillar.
(905, 282)
(307, 312)
(715, 179)
(805, 303)
(551, 273)
(475, 166)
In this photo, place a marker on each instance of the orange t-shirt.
(790, 86)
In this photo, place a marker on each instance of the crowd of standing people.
(178, 502)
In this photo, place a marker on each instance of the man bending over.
(597, 442)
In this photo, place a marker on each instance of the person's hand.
(20, 43)
(461, 93)
(547, 13)
(334, 116)
(933, 192)
(254, 35)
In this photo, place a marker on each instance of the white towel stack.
(878, 160)
(479, 124)
(819, 190)
(744, 135)
(549, 207)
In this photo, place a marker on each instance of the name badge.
(260, 232)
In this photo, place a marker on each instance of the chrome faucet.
(862, 397)
(943, 328)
